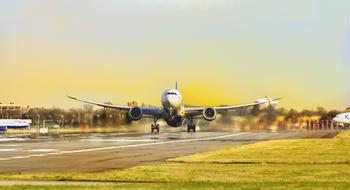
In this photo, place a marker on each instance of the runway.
(101, 152)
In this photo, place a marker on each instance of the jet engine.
(209, 114)
(135, 113)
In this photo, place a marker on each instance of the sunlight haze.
(220, 52)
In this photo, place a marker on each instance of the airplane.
(14, 124)
(343, 118)
(174, 112)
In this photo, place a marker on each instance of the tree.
(292, 115)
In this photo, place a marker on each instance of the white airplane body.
(174, 112)
(14, 124)
(342, 118)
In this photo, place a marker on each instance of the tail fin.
(28, 108)
(176, 85)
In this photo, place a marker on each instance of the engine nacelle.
(135, 113)
(209, 114)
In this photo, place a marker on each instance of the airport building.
(10, 111)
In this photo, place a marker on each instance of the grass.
(77, 187)
(203, 173)
(183, 186)
(278, 164)
(307, 151)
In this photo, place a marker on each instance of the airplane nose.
(172, 100)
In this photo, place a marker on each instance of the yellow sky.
(220, 53)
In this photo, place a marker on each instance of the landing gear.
(191, 127)
(155, 126)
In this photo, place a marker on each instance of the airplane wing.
(198, 110)
(147, 111)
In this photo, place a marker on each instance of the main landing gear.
(191, 127)
(155, 126)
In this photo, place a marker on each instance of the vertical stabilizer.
(176, 85)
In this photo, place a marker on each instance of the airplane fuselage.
(14, 124)
(173, 106)
(342, 118)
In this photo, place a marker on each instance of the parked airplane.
(14, 124)
(174, 112)
(342, 118)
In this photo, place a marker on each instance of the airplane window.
(171, 93)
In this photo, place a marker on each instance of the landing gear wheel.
(191, 128)
(155, 128)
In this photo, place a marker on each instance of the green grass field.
(278, 164)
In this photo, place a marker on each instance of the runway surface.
(101, 152)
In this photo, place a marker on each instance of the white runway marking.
(123, 146)
(42, 150)
(119, 140)
(11, 139)
(8, 150)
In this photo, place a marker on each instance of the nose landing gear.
(191, 127)
(155, 126)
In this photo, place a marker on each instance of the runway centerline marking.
(121, 147)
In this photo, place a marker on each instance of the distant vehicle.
(14, 124)
(343, 118)
(174, 112)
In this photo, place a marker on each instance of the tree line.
(102, 117)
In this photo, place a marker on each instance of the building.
(10, 111)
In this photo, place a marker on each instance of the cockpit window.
(171, 93)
